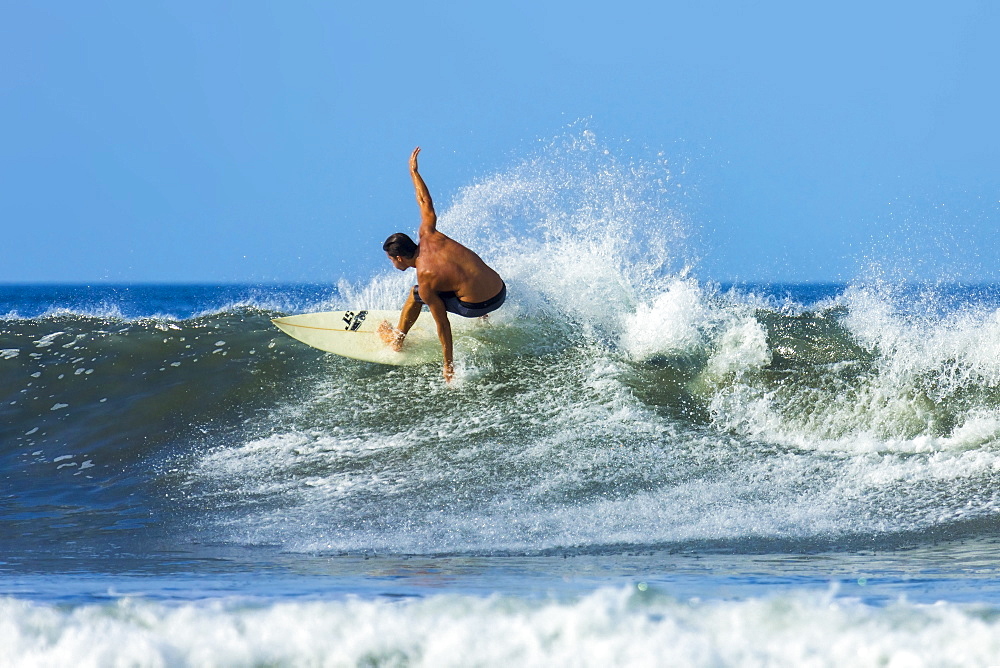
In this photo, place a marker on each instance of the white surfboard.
(354, 334)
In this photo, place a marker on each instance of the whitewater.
(635, 466)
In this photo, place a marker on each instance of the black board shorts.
(453, 304)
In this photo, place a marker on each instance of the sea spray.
(575, 229)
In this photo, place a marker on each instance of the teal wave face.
(91, 408)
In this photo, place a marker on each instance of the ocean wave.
(616, 399)
(704, 415)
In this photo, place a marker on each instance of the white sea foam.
(47, 340)
(963, 346)
(915, 394)
(676, 321)
(450, 487)
(607, 628)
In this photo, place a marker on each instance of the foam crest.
(740, 348)
(962, 347)
(898, 375)
(636, 626)
(674, 322)
(105, 312)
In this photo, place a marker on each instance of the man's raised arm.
(428, 219)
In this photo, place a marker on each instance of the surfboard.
(354, 334)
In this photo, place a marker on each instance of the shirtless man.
(450, 277)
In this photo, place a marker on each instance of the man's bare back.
(444, 265)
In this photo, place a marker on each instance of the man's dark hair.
(400, 244)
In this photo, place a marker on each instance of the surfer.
(450, 277)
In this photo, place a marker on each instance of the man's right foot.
(390, 335)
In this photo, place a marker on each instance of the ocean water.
(636, 466)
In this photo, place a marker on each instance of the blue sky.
(250, 141)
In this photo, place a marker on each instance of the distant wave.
(158, 302)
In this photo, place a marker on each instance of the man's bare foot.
(391, 336)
